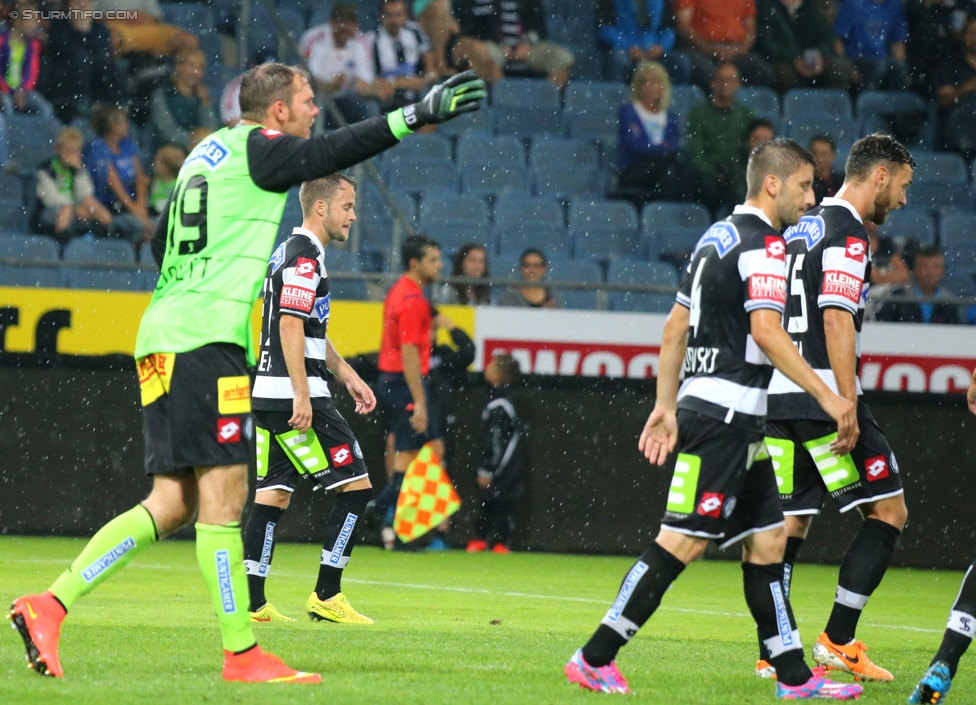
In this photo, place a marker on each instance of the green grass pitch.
(450, 628)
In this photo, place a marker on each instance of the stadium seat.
(442, 206)
(371, 203)
(910, 223)
(4, 144)
(599, 244)
(291, 217)
(490, 178)
(423, 145)
(763, 101)
(525, 93)
(105, 279)
(513, 208)
(516, 237)
(348, 289)
(524, 122)
(640, 272)
(30, 140)
(582, 97)
(804, 102)
(672, 243)
(684, 98)
(479, 120)
(452, 235)
(802, 128)
(961, 258)
(478, 147)
(551, 150)
(659, 214)
(939, 166)
(24, 246)
(342, 259)
(566, 183)
(13, 215)
(602, 213)
(103, 251)
(956, 227)
(874, 108)
(30, 276)
(938, 195)
(601, 125)
(566, 271)
(413, 175)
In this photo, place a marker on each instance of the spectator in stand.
(339, 60)
(928, 268)
(516, 40)
(720, 32)
(795, 39)
(715, 142)
(20, 62)
(826, 180)
(438, 23)
(649, 139)
(470, 261)
(165, 168)
(401, 56)
(144, 30)
(955, 93)
(934, 31)
(532, 267)
(78, 68)
(66, 205)
(758, 131)
(181, 112)
(631, 32)
(115, 164)
(872, 34)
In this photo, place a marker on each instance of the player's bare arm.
(357, 388)
(660, 434)
(842, 350)
(971, 393)
(767, 330)
(411, 373)
(292, 331)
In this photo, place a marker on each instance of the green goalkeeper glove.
(459, 94)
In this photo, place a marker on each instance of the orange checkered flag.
(427, 497)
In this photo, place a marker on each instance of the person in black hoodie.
(503, 458)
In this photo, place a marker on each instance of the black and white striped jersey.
(738, 267)
(828, 266)
(399, 56)
(296, 285)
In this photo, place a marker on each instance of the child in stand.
(503, 461)
(166, 165)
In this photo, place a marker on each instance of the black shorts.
(196, 409)
(723, 486)
(806, 470)
(327, 454)
(394, 398)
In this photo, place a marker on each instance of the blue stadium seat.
(686, 97)
(961, 257)
(492, 178)
(552, 150)
(939, 166)
(4, 144)
(196, 18)
(291, 217)
(31, 141)
(601, 243)
(525, 93)
(370, 203)
(641, 272)
(482, 120)
(524, 122)
(105, 279)
(939, 195)
(103, 251)
(763, 101)
(672, 243)
(427, 146)
(452, 235)
(660, 214)
(602, 213)
(578, 271)
(24, 246)
(873, 107)
(582, 97)
(514, 208)
(915, 223)
(348, 289)
(479, 147)
(341, 259)
(802, 128)
(957, 227)
(38, 277)
(436, 206)
(803, 102)
(13, 215)
(413, 175)
(519, 236)
(566, 183)
(601, 125)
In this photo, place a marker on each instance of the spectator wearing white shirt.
(338, 58)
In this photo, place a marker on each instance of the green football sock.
(108, 551)
(220, 554)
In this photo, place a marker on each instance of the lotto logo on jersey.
(775, 247)
(876, 468)
(711, 504)
(297, 298)
(341, 455)
(305, 267)
(767, 287)
(229, 430)
(856, 249)
(847, 286)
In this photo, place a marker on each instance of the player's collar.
(742, 209)
(298, 230)
(833, 201)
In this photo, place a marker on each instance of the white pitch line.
(499, 593)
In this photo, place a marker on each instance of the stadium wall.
(71, 449)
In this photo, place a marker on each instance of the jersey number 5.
(794, 268)
(189, 212)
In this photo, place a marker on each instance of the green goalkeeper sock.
(106, 553)
(220, 553)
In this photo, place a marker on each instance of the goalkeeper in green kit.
(194, 348)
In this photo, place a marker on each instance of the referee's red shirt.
(406, 321)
